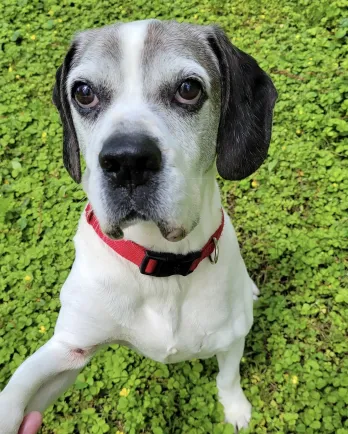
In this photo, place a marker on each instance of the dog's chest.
(170, 330)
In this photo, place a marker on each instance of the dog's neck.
(148, 235)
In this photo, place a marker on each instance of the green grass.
(291, 219)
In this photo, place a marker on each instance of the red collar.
(154, 263)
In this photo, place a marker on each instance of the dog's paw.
(256, 292)
(238, 413)
(11, 415)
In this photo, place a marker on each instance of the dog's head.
(152, 105)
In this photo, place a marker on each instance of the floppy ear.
(71, 151)
(247, 101)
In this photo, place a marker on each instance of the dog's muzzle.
(131, 160)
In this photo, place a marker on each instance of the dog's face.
(152, 105)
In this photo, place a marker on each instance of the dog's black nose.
(131, 159)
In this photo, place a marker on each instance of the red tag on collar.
(154, 263)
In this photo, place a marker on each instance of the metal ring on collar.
(216, 252)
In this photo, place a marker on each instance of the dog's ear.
(71, 151)
(247, 101)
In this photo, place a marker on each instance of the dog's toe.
(238, 413)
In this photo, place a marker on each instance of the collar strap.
(154, 263)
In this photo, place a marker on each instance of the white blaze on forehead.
(132, 37)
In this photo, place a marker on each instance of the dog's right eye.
(84, 96)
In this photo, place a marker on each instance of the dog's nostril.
(108, 163)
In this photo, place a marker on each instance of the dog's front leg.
(237, 407)
(39, 380)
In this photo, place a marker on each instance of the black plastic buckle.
(168, 264)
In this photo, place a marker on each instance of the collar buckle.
(168, 264)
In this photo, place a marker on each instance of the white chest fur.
(180, 327)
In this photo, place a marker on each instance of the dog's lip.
(170, 232)
(132, 216)
(173, 234)
(116, 233)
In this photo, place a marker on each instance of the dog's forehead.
(149, 43)
(169, 38)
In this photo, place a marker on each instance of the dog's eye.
(84, 96)
(189, 92)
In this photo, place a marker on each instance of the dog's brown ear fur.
(248, 97)
(71, 151)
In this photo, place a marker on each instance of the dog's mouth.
(125, 210)
(133, 217)
(115, 231)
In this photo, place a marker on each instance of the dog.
(156, 108)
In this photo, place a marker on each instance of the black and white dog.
(155, 108)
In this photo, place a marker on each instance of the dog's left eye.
(189, 92)
(84, 96)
